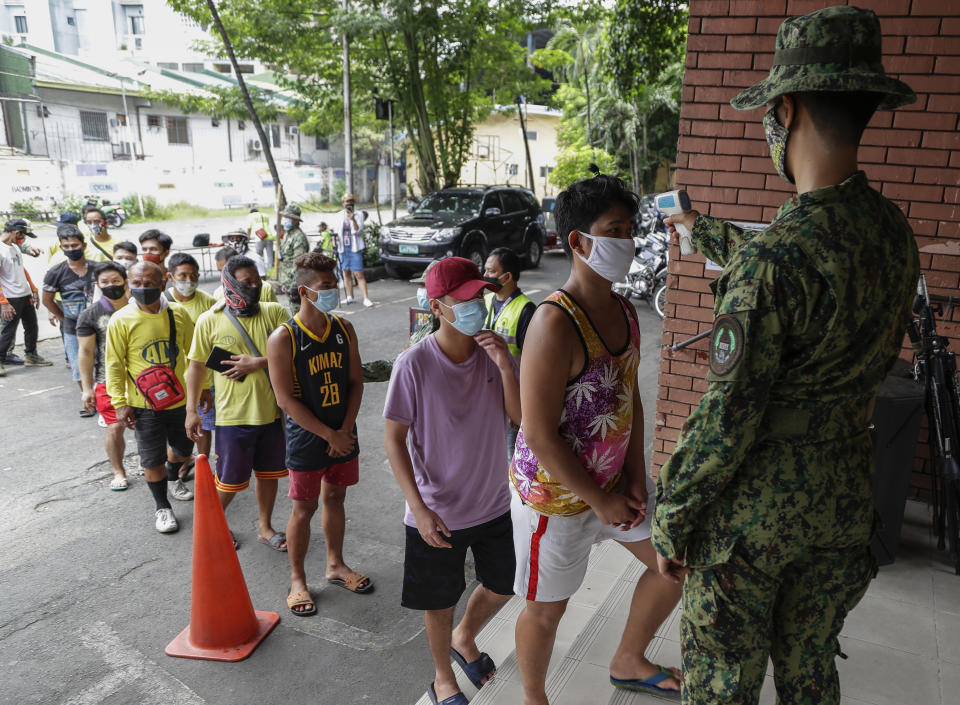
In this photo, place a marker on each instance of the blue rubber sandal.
(457, 699)
(648, 685)
(477, 670)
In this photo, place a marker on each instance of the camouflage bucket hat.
(292, 210)
(834, 49)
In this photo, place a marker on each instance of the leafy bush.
(371, 248)
(70, 202)
(573, 162)
(151, 209)
(29, 208)
(339, 189)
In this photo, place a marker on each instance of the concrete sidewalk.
(902, 640)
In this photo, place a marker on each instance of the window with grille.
(94, 126)
(275, 135)
(134, 15)
(322, 142)
(193, 68)
(154, 121)
(531, 135)
(168, 65)
(177, 131)
(21, 23)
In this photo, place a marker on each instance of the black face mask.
(494, 280)
(115, 291)
(146, 295)
(75, 255)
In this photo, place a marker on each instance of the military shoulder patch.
(726, 346)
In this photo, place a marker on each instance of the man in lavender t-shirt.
(448, 406)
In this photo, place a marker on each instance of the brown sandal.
(355, 582)
(299, 599)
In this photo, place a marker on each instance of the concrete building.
(498, 155)
(97, 30)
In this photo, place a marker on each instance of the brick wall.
(912, 155)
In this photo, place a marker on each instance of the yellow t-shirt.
(93, 252)
(250, 402)
(266, 293)
(137, 340)
(200, 302)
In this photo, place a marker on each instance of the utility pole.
(126, 133)
(254, 118)
(393, 191)
(526, 143)
(347, 119)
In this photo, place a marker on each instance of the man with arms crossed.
(316, 374)
(578, 473)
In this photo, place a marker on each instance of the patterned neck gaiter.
(243, 299)
(777, 136)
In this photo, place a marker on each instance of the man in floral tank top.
(578, 475)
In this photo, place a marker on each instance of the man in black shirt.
(73, 280)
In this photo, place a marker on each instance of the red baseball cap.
(457, 277)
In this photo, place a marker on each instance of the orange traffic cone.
(223, 624)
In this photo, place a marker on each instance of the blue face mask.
(423, 301)
(469, 316)
(327, 299)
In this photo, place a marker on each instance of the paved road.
(91, 594)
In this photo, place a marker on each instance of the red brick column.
(912, 155)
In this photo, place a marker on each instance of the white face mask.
(610, 257)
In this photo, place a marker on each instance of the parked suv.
(464, 221)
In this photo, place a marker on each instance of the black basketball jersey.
(321, 381)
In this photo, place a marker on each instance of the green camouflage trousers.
(735, 615)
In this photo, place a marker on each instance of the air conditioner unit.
(114, 122)
(254, 146)
(293, 131)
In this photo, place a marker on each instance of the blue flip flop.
(477, 670)
(458, 699)
(647, 685)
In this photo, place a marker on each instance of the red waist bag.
(159, 384)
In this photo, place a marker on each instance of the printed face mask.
(468, 316)
(327, 299)
(423, 301)
(243, 299)
(185, 288)
(96, 228)
(125, 263)
(777, 136)
(610, 257)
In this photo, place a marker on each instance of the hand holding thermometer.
(675, 203)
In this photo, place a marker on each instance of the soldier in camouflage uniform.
(293, 244)
(765, 505)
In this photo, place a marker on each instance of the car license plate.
(409, 249)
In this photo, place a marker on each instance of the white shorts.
(553, 551)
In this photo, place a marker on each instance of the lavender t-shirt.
(457, 437)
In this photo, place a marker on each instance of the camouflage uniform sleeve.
(718, 239)
(746, 348)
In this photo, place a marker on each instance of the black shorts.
(433, 578)
(155, 430)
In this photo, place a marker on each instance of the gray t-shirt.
(13, 281)
(94, 321)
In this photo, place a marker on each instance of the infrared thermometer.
(675, 203)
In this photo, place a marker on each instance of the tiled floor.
(902, 640)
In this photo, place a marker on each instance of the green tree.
(447, 64)
(573, 164)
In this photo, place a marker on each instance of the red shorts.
(104, 406)
(305, 485)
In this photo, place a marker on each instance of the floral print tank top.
(597, 415)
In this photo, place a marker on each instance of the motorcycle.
(113, 213)
(647, 278)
